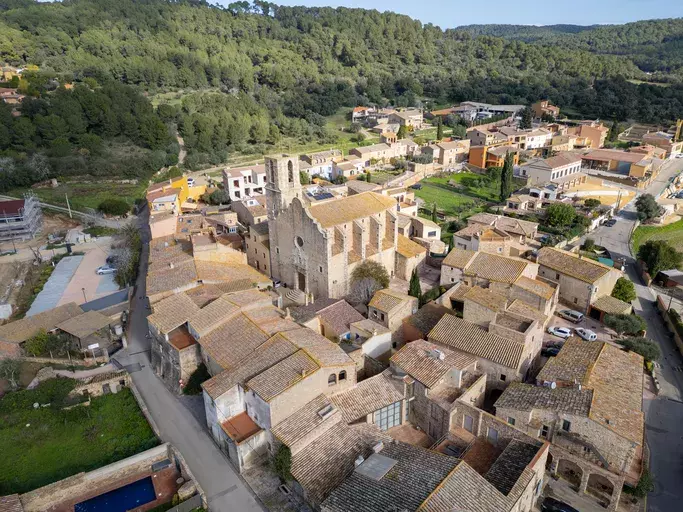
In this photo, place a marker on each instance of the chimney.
(287, 315)
(171, 265)
(378, 447)
(359, 461)
(303, 373)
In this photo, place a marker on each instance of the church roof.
(333, 213)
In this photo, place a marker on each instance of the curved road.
(224, 488)
(663, 413)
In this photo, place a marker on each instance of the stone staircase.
(296, 296)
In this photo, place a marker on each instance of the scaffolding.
(20, 219)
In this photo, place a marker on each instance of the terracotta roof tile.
(417, 360)
(458, 334)
(84, 325)
(386, 300)
(323, 351)
(535, 286)
(495, 268)
(458, 258)
(564, 262)
(282, 375)
(612, 305)
(367, 397)
(487, 298)
(172, 312)
(407, 248)
(299, 425)
(350, 208)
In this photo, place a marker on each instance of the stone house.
(331, 318)
(257, 247)
(349, 168)
(541, 294)
(484, 269)
(280, 376)
(525, 231)
(251, 210)
(409, 256)
(370, 338)
(314, 249)
(411, 118)
(502, 358)
(89, 331)
(587, 403)
(448, 153)
(439, 377)
(175, 354)
(485, 239)
(390, 307)
(418, 326)
(581, 280)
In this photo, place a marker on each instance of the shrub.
(646, 348)
(625, 324)
(624, 290)
(114, 207)
(645, 485)
(589, 244)
(591, 203)
(658, 255)
(282, 463)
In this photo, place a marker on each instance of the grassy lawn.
(47, 444)
(450, 202)
(672, 233)
(87, 194)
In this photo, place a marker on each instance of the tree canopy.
(647, 207)
(624, 289)
(658, 255)
(643, 346)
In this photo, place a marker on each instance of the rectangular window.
(511, 421)
(557, 276)
(544, 431)
(566, 425)
(502, 377)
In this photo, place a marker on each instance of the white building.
(243, 182)
(551, 169)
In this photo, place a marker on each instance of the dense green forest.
(251, 74)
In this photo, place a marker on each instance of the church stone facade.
(314, 248)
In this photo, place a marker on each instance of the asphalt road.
(224, 488)
(663, 414)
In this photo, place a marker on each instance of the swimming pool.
(119, 500)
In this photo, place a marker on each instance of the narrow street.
(663, 414)
(224, 488)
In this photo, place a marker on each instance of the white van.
(571, 315)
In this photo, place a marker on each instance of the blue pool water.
(121, 499)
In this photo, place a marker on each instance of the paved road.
(225, 490)
(664, 414)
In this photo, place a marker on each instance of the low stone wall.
(82, 484)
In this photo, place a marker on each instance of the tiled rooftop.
(535, 286)
(172, 312)
(368, 396)
(407, 248)
(612, 305)
(386, 300)
(563, 262)
(487, 298)
(458, 334)
(296, 427)
(418, 360)
(495, 268)
(351, 208)
(21, 330)
(458, 258)
(526, 397)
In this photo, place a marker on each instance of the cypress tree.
(414, 289)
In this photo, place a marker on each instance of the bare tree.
(9, 370)
(39, 166)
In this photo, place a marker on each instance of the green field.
(43, 445)
(451, 201)
(86, 194)
(672, 233)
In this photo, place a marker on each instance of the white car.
(105, 269)
(560, 332)
(190, 182)
(586, 334)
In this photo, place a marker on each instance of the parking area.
(85, 285)
(604, 334)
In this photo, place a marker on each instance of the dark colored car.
(550, 351)
(553, 505)
(417, 186)
(610, 223)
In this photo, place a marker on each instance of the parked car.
(550, 351)
(610, 223)
(561, 332)
(571, 315)
(553, 505)
(417, 186)
(586, 334)
(105, 269)
(190, 182)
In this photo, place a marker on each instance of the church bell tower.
(282, 183)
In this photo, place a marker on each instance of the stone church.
(315, 247)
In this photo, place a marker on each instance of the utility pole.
(68, 205)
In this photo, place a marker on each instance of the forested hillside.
(251, 74)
